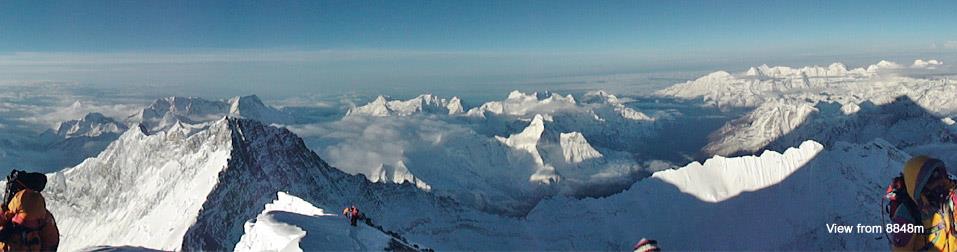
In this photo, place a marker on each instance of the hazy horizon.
(380, 47)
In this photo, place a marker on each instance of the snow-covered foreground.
(292, 224)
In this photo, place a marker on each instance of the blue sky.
(378, 45)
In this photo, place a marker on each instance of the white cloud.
(927, 64)
(40, 105)
(79, 109)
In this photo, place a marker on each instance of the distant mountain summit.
(165, 112)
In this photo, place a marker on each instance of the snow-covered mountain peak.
(528, 138)
(575, 148)
(527, 141)
(397, 173)
(522, 104)
(518, 95)
(382, 106)
(455, 106)
(600, 96)
(881, 81)
(166, 112)
(569, 99)
(119, 188)
(91, 125)
(169, 190)
(252, 107)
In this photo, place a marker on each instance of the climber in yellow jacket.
(933, 192)
(27, 225)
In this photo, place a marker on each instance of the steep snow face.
(165, 112)
(575, 148)
(91, 125)
(775, 125)
(116, 198)
(774, 200)
(759, 128)
(423, 103)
